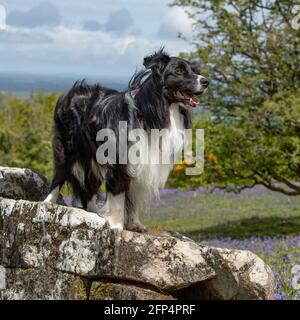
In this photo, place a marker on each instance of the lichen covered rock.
(16, 183)
(41, 284)
(70, 252)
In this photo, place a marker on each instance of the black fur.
(86, 109)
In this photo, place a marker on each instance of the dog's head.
(180, 79)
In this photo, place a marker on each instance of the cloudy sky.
(91, 37)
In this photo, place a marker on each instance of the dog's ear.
(157, 61)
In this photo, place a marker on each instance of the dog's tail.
(79, 90)
(69, 113)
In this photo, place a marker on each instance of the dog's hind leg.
(53, 195)
(85, 188)
(57, 182)
(96, 174)
(60, 171)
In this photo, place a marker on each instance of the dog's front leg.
(114, 210)
(116, 187)
(137, 199)
(133, 222)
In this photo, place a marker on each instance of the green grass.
(210, 216)
(265, 223)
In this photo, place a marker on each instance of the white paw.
(115, 224)
(52, 196)
(49, 199)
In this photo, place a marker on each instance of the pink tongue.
(191, 100)
(194, 101)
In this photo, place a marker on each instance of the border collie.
(159, 97)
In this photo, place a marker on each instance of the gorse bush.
(26, 131)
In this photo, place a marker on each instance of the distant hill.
(25, 83)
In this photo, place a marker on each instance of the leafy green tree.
(26, 132)
(251, 53)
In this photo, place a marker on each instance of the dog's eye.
(179, 70)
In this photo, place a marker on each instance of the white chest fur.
(149, 178)
(176, 128)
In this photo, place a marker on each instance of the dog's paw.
(114, 223)
(136, 226)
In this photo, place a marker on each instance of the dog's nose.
(204, 82)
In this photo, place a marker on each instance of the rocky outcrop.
(56, 252)
(16, 183)
(40, 283)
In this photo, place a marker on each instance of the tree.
(26, 131)
(251, 53)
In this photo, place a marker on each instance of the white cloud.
(77, 51)
(175, 21)
(16, 36)
(92, 49)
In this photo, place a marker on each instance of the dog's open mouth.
(187, 99)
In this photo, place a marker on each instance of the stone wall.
(55, 252)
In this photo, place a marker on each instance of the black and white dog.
(160, 97)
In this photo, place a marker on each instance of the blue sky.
(92, 37)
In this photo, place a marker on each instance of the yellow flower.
(211, 157)
(178, 167)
